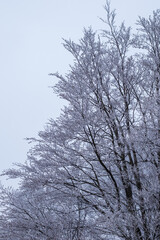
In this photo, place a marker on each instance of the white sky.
(31, 34)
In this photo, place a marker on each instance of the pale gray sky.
(31, 34)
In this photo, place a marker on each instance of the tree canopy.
(94, 173)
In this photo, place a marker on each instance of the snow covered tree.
(99, 163)
(42, 214)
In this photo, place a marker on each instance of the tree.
(42, 214)
(104, 150)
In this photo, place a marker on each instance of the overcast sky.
(31, 33)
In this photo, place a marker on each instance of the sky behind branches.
(31, 48)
